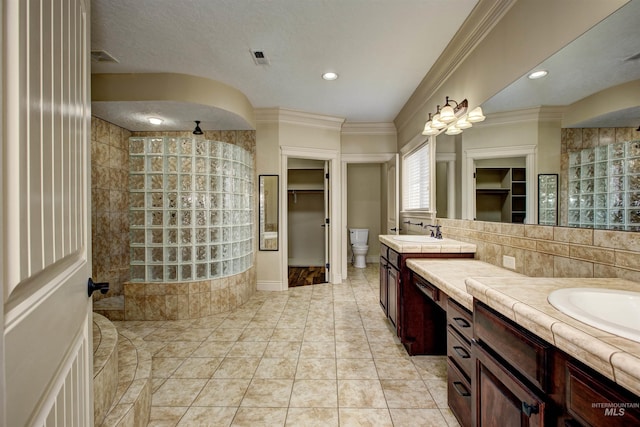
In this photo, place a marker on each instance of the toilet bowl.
(358, 238)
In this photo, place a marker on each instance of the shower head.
(197, 130)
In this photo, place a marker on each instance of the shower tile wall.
(109, 205)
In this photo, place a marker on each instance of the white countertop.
(523, 299)
(430, 245)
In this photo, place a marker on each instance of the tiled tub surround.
(524, 301)
(188, 300)
(545, 251)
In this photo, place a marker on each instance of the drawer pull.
(462, 322)
(462, 390)
(530, 409)
(461, 352)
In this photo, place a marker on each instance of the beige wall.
(364, 200)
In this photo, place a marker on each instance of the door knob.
(103, 287)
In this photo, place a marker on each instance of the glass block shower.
(191, 209)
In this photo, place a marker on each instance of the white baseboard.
(269, 285)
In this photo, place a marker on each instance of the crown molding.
(281, 115)
(536, 114)
(361, 128)
(478, 24)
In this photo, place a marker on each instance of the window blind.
(417, 179)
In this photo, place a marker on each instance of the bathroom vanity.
(417, 321)
(513, 359)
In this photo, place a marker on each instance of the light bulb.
(155, 120)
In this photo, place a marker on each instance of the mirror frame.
(265, 202)
(542, 197)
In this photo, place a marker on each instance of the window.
(416, 194)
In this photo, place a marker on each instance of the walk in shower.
(191, 221)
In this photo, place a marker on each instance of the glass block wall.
(191, 209)
(604, 187)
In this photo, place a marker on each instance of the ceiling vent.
(259, 57)
(102, 56)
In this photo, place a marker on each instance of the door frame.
(355, 158)
(469, 157)
(335, 253)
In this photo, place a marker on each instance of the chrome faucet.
(437, 234)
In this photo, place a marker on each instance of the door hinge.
(327, 266)
(474, 174)
(326, 175)
(326, 220)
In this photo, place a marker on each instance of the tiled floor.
(320, 355)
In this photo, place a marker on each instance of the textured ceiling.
(381, 50)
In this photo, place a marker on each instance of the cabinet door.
(384, 285)
(393, 277)
(500, 398)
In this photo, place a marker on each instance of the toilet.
(358, 237)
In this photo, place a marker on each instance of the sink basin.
(614, 311)
(416, 239)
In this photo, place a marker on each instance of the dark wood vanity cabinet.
(459, 361)
(521, 380)
(419, 324)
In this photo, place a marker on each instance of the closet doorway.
(307, 221)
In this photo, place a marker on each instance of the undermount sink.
(416, 239)
(611, 310)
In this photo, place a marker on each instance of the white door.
(46, 246)
(327, 222)
(393, 196)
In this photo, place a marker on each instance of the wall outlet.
(508, 262)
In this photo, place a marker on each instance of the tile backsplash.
(545, 251)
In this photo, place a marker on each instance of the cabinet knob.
(530, 409)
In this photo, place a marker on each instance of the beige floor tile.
(256, 334)
(276, 368)
(356, 369)
(247, 349)
(268, 393)
(260, 417)
(193, 334)
(283, 349)
(312, 417)
(226, 334)
(317, 350)
(385, 350)
(407, 394)
(164, 367)
(397, 369)
(213, 349)
(198, 367)
(418, 418)
(321, 334)
(287, 334)
(208, 416)
(350, 333)
(166, 416)
(222, 392)
(350, 417)
(360, 394)
(316, 369)
(237, 367)
(177, 392)
(451, 419)
(314, 394)
(353, 350)
(178, 349)
(438, 390)
(431, 367)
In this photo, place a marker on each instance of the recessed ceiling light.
(330, 75)
(155, 121)
(538, 74)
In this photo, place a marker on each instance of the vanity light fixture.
(155, 121)
(452, 119)
(330, 75)
(197, 130)
(538, 74)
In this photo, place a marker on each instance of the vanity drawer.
(394, 258)
(384, 251)
(459, 352)
(426, 288)
(460, 319)
(458, 394)
(516, 346)
(594, 401)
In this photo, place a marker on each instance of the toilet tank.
(358, 236)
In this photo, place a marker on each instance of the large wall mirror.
(268, 210)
